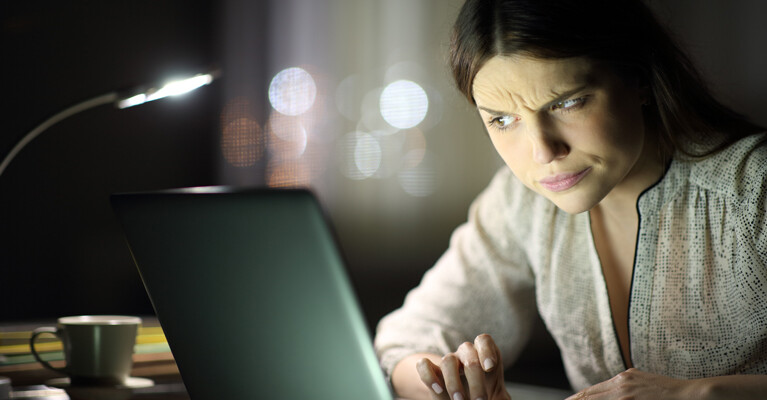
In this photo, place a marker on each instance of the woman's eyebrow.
(563, 96)
(493, 112)
(558, 97)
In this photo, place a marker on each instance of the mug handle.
(35, 334)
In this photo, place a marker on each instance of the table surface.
(177, 392)
(520, 391)
(27, 379)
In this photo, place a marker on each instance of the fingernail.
(489, 364)
(457, 396)
(436, 388)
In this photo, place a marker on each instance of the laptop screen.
(252, 294)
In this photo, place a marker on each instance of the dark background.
(61, 250)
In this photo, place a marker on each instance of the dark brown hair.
(622, 34)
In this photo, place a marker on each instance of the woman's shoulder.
(738, 171)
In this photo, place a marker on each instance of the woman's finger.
(431, 376)
(488, 352)
(490, 355)
(451, 374)
(472, 370)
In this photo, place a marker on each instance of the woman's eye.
(502, 122)
(569, 104)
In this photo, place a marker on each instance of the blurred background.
(349, 97)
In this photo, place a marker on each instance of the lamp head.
(172, 88)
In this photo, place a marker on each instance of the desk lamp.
(123, 99)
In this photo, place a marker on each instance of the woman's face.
(568, 129)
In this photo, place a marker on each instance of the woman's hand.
(635, 384)
(478, 362)
(638, 385)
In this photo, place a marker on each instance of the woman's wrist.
(728, 387)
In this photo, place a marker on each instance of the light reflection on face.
(568, 129)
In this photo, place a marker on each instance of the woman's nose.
(547, 145)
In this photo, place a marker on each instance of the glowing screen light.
(404, 104)
(292, 91)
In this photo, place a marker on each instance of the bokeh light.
(348, 97)
(361, 155)
(320, 119)
(242, 140)
(414, 148)
(391, 153)
(370, 114)
(404, 104)
(422, 180)
(293, 173)
(367, 154)
(292, 91)
(288, 137)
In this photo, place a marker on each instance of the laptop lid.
(252, 294)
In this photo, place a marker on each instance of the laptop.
(252, 294)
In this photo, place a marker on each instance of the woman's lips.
(560, 182)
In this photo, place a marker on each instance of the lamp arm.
(77, 108)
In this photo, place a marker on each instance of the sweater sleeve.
(481, 284)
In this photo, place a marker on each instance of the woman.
(632, 213)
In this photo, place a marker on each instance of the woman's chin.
(571, 204)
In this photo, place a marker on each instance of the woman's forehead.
(527, 80)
